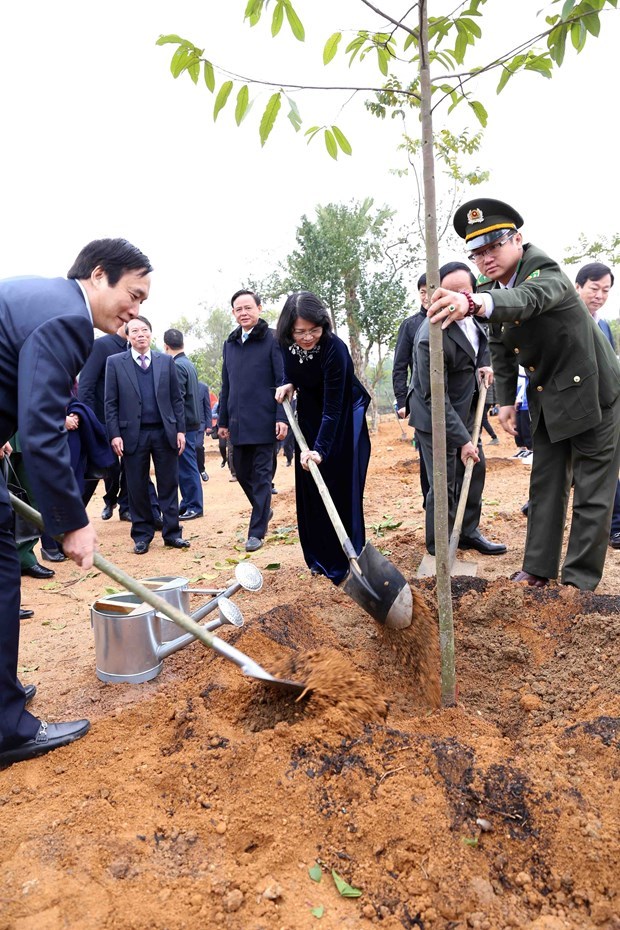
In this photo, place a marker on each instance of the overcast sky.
(99, 140)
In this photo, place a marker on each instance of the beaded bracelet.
(474, 308)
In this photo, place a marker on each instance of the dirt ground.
(205, 799)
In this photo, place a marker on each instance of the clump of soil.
(331, 681)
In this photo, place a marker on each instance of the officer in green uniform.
(537, 320)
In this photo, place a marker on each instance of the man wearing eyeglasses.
(537, 320)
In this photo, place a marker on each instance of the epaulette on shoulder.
(534, 274)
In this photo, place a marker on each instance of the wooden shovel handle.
(460, 510)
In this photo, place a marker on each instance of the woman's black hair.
(302, 304)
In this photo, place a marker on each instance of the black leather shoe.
(190, 514)
(141, 548)
(30, 690)
(614, 540)
(50, 736)
(107, 512)
(125, 516)
(25, 614)
(177, 543)
(56, 556)
(38, 571)
(204, 476)
(481, 544)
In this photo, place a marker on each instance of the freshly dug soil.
(204, 798)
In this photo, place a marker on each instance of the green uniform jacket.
(542, 324)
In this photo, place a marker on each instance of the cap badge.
(475, 216)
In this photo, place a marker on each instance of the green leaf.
(294, 115)
(171, 39)
(331, 47)
(481, 114)
(318, 911)
(294, 22)
(243, 101)
(470, 841)
(578, 35)
(273, 566)
(222, 96)
(346, 890)
(269, 116)
(209, 76)
(112, 590)
(316, 873)
(592, 23)
(277, 19)
(567, 8)
(311, 133)
(330, 144)
(382, 59)
(342, 140)
(180, 60)
(193, 69)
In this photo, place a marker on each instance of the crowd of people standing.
(74, 409)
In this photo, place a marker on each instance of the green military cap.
(484, 220)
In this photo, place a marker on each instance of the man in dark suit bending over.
(46, 330)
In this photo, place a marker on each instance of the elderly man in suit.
(248, 414)
(466, 358)
(145, 419)
(539, 321)
(46, 330)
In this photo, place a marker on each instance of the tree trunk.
(355, 345)
(440, 485)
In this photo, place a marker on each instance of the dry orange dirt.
(204, 799)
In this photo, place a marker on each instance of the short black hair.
(142, 319)
(115, 256)
(422, 281)
(243, 291)
(173, 338)
(302, 304)
(451, 267)
(594, 271)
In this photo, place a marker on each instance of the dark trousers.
(524, 430)
(615, 517)
(116, 487)
(254, 471)
(485, 422)
(152, 444)
(200, 450)
(454, 477)
(16, 724)
(590, 461)
(190, 484)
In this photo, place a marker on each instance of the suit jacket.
(251, 372)
(460, 364)
(403, 356)
(91, 384)
(46, 335)
(605, 328)
(123, 401)
(190, 392)
(206, 416)
(542, 324)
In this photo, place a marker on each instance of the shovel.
(248, 666)
(459, 566)
(373, 582)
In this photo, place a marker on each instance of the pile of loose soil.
(203, 798)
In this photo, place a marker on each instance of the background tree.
(604, 249)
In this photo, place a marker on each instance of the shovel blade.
(380, 589)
